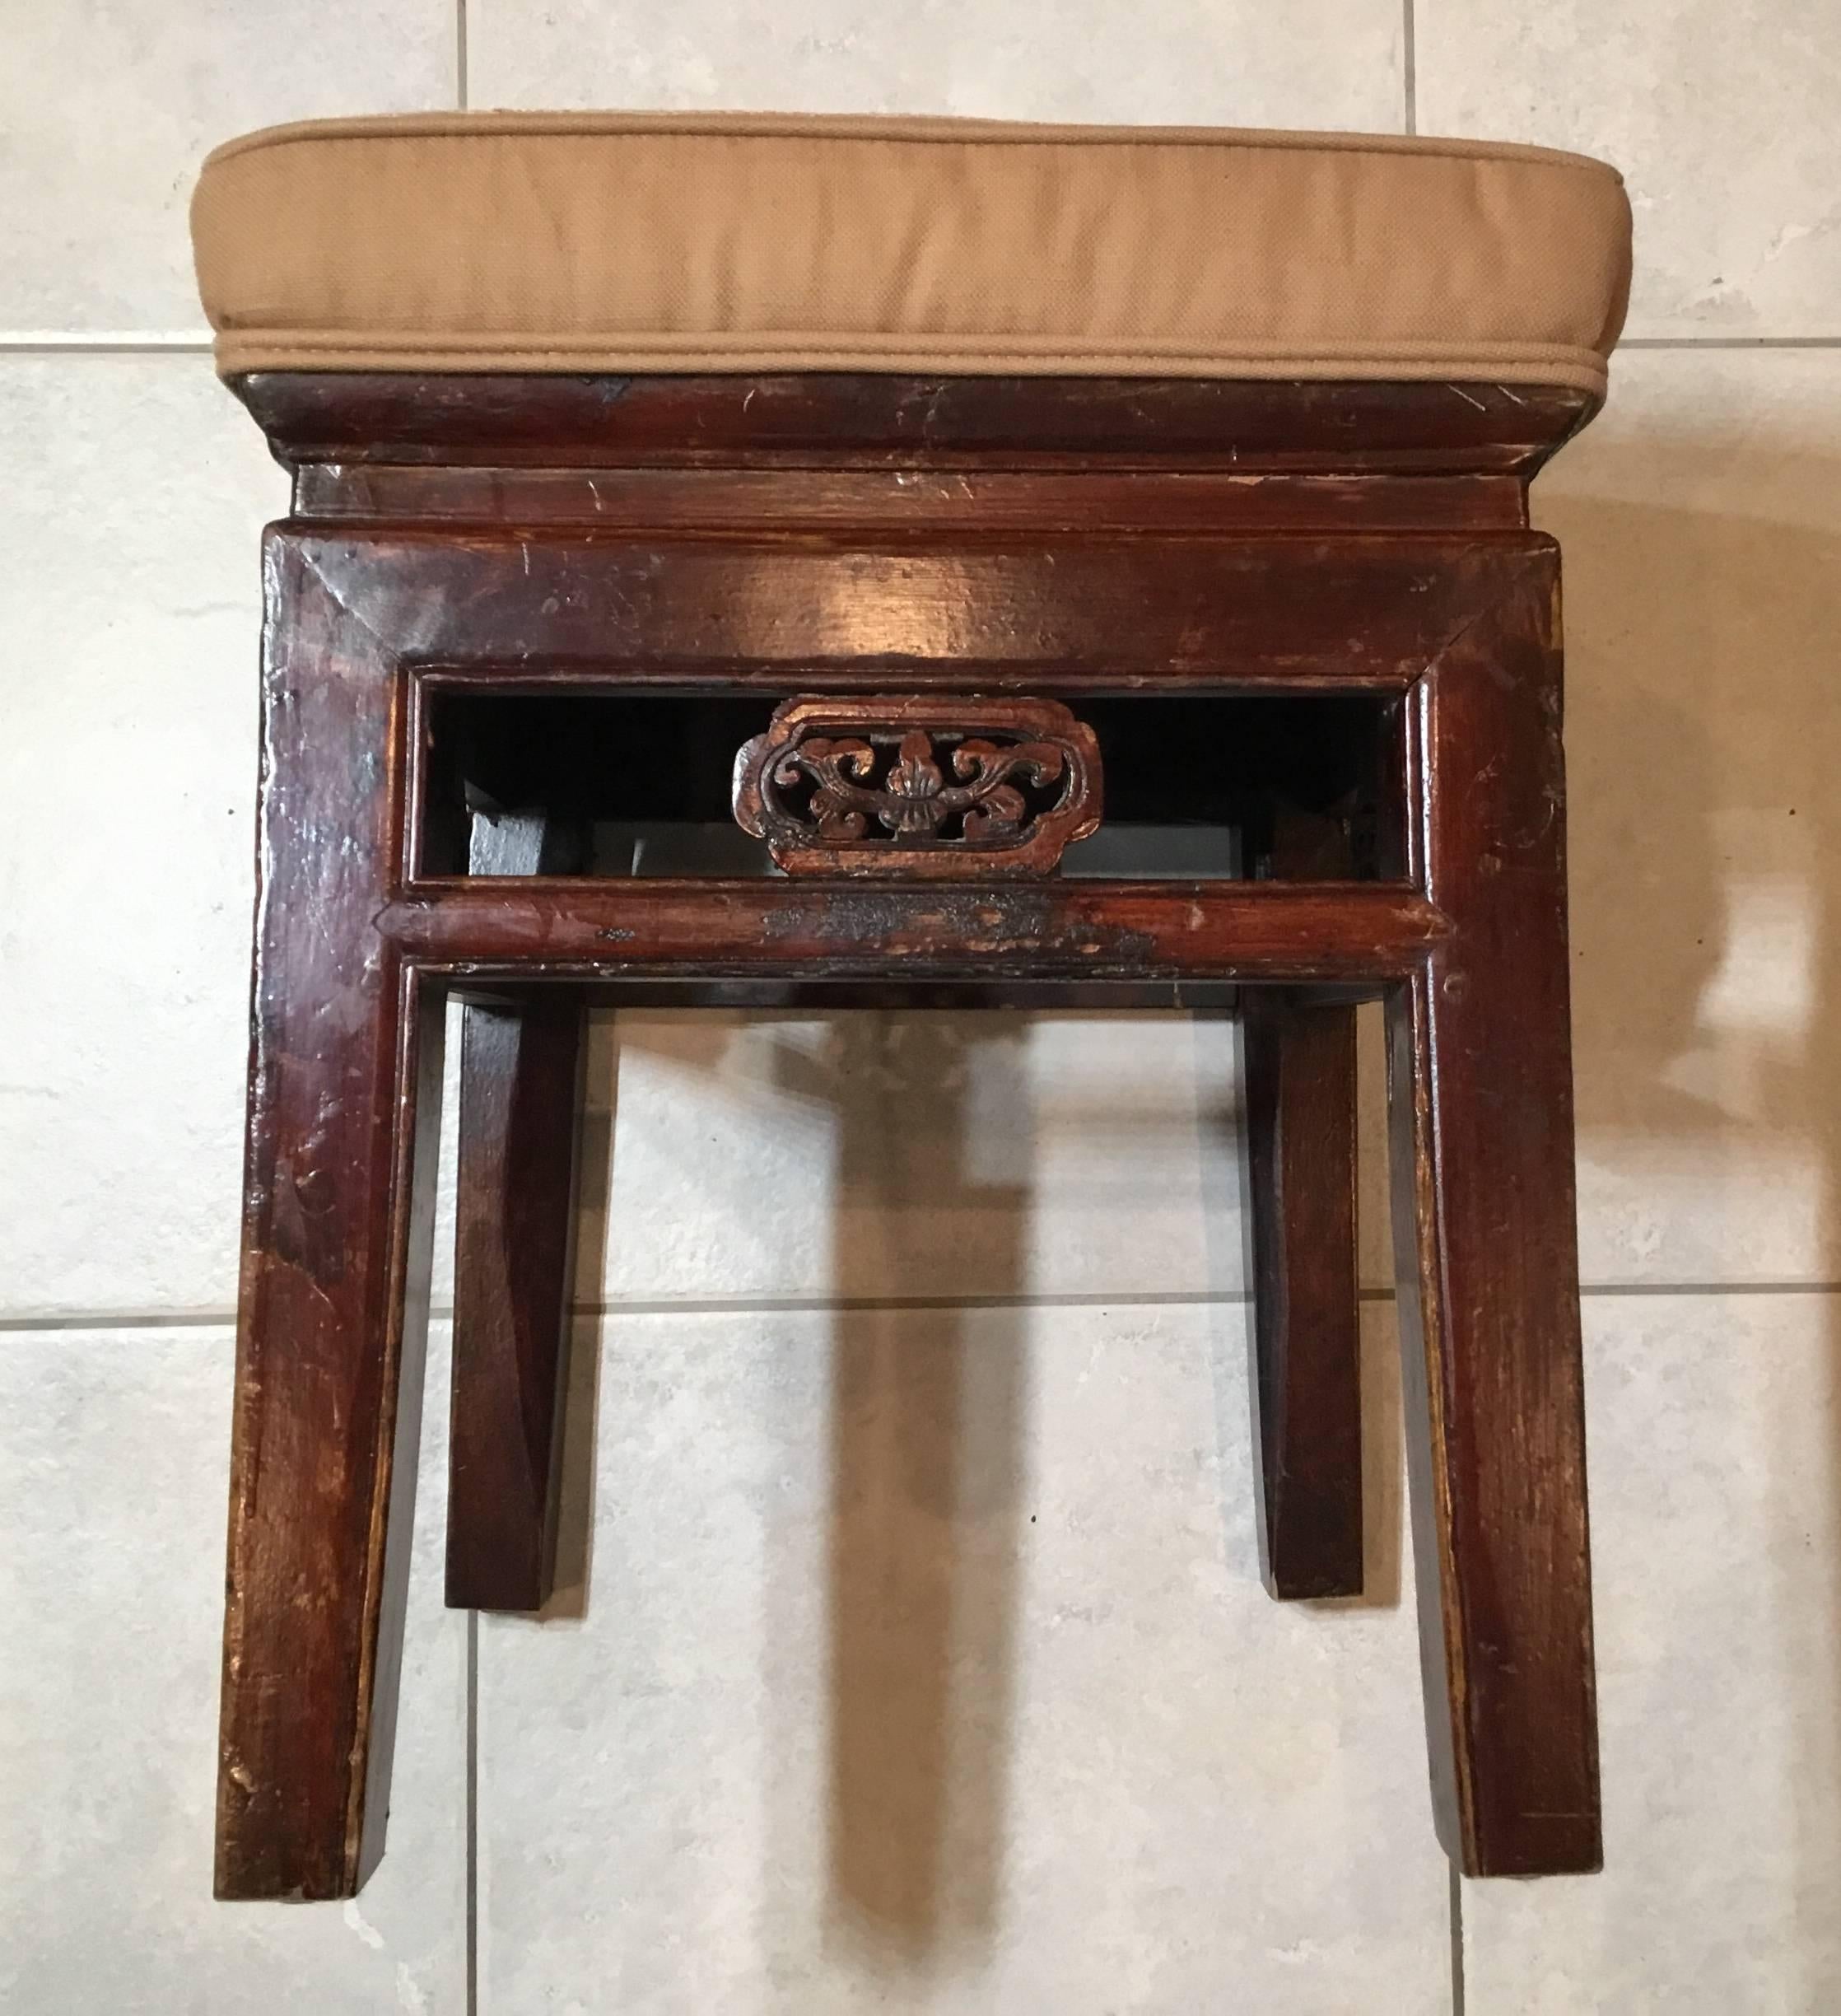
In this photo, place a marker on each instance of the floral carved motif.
(919, 785)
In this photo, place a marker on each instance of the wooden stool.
(916, 504)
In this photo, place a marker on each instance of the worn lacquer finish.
(1481, 1097)
(892, 420)
(344, 1075)
(521, 1063)
(1355, 933)
(1089, 543)
(1298, 1077)
(1079, 612)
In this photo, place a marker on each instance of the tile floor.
(1115, 1778)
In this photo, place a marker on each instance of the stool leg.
(1298, 1076)
(1480, 1090)
(519, 1127)
(520, 1111)
(1297, 1072)
(344, 1077)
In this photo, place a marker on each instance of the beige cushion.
(625, 242)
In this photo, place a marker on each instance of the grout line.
(724, 1305)
(472, 1812)
(1456, 1942)
(460, 56)
(1614, 1289)
(819, 1304)
(1409, 68)
(1730, 343)
(109, 342)
(121, 1319)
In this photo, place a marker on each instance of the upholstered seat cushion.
(728, 243)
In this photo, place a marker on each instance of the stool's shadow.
(928, 1379)
(926, 1403)
(1703, 731)
(927, 1425)
(1690, 632)
(1704, 699)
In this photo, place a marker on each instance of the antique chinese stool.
(768, 560)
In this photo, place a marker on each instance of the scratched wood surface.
(887, 420)
(519, 1123)
(1481, 1114)
(1091, 541)
(1298, 1101)
(344, 1080)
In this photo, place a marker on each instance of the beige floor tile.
(1701, 518)
(114, 1455)
(1720, 118)
(130, 608)
(922, 1155)
(917, 1156)
(923, 1664)
(1715, 1429)
(1316, 62)
(108, 107)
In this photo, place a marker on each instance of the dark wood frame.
(869, 534)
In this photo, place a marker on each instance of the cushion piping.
(895, 130)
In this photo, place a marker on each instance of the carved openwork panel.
(930, 785)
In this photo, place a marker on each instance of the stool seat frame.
(1061, 543)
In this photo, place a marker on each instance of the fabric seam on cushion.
(792, 341)
(1554, 364)
(1534, 353)
(1378, 145)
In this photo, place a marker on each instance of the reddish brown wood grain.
(744, 540)
(1299, 1079)
(1236, 614)
(520, 1094)
(549, 928)
(917, 501)
(1481, 1101)
(1297, 1059)
(889, 419)
(344, 1080)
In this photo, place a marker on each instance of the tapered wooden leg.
(520, 1108)
(1480, 1087)
(344, 1076)
(1298, 1078)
